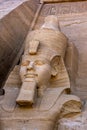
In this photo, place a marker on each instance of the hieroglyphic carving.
(64, 8)
(47, 1)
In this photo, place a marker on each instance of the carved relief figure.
(45, 89)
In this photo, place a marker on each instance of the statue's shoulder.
(51, 96)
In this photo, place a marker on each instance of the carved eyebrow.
(39, 62)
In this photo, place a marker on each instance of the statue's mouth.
(30, 75)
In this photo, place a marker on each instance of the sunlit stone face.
(38, 68)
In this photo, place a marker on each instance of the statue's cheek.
(43, 74)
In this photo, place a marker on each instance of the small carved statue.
(45, 89)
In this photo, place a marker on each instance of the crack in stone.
(74, 23)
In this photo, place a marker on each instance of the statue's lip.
(31, 75)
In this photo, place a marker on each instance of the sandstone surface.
(14, 25)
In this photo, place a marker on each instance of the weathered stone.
(6, 6)
(52, 103)
(60, 0)
(72, 19)
(71, 61)
(45, 72)
(76, 123)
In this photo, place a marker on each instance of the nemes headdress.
(48, 42)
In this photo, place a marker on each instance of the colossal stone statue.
(44, 95)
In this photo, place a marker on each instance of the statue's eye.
(38, 62)
(25, 63)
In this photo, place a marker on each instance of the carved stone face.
(39, 69)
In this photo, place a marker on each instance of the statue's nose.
(30, 66)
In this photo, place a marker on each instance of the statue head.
(43, 56)
(43, 52)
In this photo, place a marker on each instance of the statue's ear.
(55, 65)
